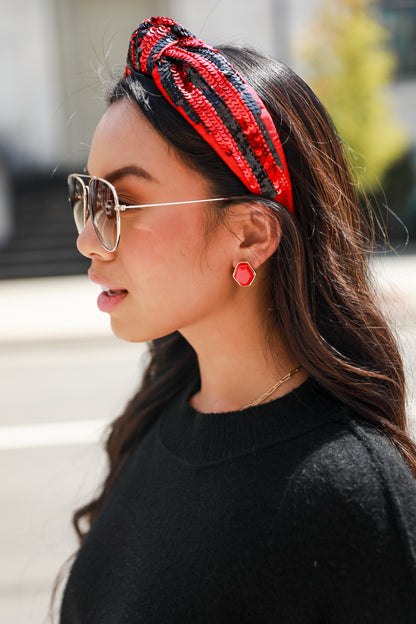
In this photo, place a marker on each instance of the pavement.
(55, 344)
(63, 308)
(50, 309)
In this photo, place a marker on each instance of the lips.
(111, 295)
(106, 285)
(108, 303)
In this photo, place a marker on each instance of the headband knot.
(216, 100)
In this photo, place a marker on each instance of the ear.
(258, 232)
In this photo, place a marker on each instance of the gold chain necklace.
(273, 388)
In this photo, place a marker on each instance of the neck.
(238, 364)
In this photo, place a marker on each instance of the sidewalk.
(64, 308)
(395, 278)
(50, 308)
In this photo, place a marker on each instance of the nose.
(89, 245)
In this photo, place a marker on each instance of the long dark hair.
(319, 288)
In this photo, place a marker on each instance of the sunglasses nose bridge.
(87, 211)
(89, 244)
(99, 207)
(103, 210)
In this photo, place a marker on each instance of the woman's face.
(175, 277)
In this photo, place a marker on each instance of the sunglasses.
(95, 197)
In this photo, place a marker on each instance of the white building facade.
(57, 57)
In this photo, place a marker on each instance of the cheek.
(175, 279)
(171, 259)
(164, 242)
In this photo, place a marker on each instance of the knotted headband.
(216, 100)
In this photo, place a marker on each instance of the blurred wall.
(92, 46)
(30, 119)
(55, 56)
(94, 39)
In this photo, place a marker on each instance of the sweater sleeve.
(350, 518)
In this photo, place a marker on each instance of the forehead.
(124, 137)
(123, 134)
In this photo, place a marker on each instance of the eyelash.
(126, 202)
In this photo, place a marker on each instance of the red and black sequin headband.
(216, 100)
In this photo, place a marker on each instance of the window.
(399, 18)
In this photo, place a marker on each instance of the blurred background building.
(63, 376)
(57, 58)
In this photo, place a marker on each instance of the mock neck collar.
(198, 438)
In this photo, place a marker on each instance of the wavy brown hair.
(319, 288)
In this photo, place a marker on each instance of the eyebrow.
(134, 170)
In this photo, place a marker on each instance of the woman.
(263, 471)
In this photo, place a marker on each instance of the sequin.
(216, 100)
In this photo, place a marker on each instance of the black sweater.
(293, 512)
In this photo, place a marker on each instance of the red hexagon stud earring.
(244, 274)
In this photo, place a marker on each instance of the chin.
(128, 334)
(135, 333)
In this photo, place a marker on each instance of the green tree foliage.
(350, 64)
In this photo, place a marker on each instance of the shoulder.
(354, 491)
(358, 465)
(355, 460)
(347, 524)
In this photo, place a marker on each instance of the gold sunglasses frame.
(121, 207)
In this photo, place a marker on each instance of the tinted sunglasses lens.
(104, 215)
(76, 199)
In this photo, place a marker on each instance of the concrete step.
(43, 242)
